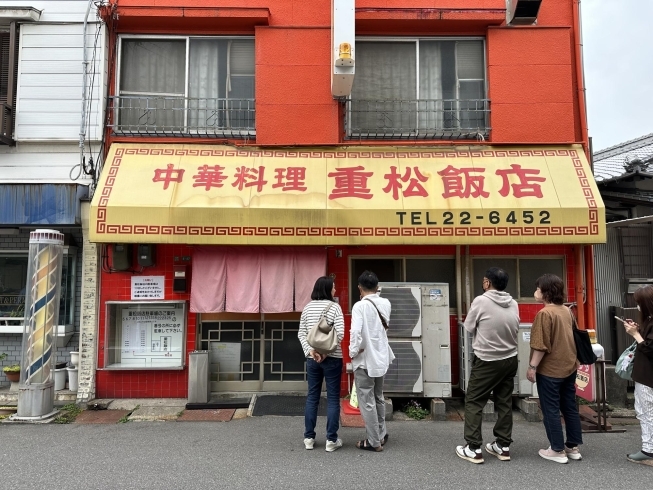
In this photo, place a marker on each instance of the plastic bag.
(353, 399)
(624, 366)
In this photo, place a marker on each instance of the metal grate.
(417, 119)
(182, 116)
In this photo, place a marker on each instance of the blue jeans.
(331, 370)
(558, 395)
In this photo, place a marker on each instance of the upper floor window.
(191, 86)
(429, 89)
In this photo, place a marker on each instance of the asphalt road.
(267, 452)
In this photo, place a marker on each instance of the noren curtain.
(254, 279)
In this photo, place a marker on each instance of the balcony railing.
(182, 117)
(6, 124)
(417, 119)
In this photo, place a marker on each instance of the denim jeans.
(330, 370)
(558, 395)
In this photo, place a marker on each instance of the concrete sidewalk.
(174, 409)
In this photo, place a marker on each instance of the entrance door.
(253, 352)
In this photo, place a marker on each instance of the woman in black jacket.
(643, 372)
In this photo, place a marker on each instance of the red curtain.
(254, 279)
(208, 281)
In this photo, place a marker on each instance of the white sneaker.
(573, 453)
(332, 446)
(471, 455)
(551, 455)
(309, 443)
(503, 453)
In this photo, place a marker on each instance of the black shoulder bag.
(584, 352)
(383, 322)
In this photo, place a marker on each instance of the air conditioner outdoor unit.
(523, 387)
(522, 12)
(420, 337)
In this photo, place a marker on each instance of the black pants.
(487, 377)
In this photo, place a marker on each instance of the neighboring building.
(41, 181)
(624, 175)
(234, 177)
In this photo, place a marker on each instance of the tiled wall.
(144, 384)
(340, 266)
(11, 343)
(116, 286)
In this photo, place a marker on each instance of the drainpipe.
(590, 293)
(580, 74)
(578, 281)
(82, 124)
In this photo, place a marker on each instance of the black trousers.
(487, 377)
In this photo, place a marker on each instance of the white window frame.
(403, 258)
(518, 258)
(187, 66)
(417, 40)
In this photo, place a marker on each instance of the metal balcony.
(182, 117)
(431, 119)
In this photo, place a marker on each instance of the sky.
(618, 58)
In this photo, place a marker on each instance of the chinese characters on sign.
(585, 387)
(458, 182)
(148, 287)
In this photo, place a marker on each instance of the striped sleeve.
(311, 315)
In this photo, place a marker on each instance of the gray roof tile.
(610, 162)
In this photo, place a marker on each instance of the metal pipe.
(590, 294)
(82, 124)
(580, 74)
(578, 281)
(459, 285)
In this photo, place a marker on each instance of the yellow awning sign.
(201, 194)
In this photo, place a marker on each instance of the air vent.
(522, 12)
(406, 312)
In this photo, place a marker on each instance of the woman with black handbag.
(642, 373)
(553, 365)
(322, 366)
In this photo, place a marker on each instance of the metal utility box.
(523, 387)
(199, 386)
(420, 337)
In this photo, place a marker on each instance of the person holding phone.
(642, 374)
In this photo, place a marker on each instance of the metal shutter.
(470, 60)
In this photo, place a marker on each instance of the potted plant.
(11, 372)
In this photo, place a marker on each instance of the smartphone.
(620, 319)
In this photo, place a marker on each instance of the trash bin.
(199, 385)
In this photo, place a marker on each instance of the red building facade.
(469, 135)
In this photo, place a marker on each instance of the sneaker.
(551, 455)
(503, 453)
(309, 443)
(472, 455)
(640, 458)
(332, 446)
(573, 453)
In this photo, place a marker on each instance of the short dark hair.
(644, 298)
(497, 277)
(552, 288)
(368, 281)
(322, 289)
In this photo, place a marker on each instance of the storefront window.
(145, 335)
(13, 279)
(522, 272)
(408, 269)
